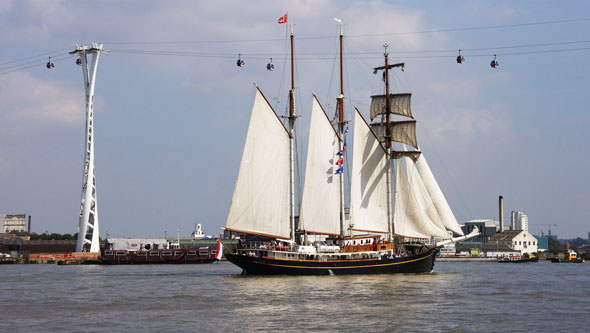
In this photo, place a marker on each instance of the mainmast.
(341, 124)
(292, 118)
(388, 146)
(388, 136)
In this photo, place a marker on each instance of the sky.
(172, 108)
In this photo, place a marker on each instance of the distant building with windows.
(518, 240)
(489, 249)
(519, 221)
(15, 223)
(486, 227)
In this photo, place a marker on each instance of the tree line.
(54, 236)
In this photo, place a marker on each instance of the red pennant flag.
(340, 161)
(283, 19)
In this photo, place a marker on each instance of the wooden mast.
(341, 124)
(387, 140)
(390, 223)
(292, 118)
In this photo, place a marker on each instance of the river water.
(459, 297)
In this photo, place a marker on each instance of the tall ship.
(398, 217)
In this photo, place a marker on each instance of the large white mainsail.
(368, 188)
(409, 217)
(260, 204)
(320, 205)
(438, 198)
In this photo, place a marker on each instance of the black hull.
(420, 263)
(566, 261)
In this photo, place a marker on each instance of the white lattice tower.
(88, 231)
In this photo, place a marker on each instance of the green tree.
(555, 246)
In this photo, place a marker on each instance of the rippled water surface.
(469, 297)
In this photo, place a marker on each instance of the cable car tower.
(88, 231)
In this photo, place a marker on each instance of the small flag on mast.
(283, 19)
(219, 250)
(340, 170)
(340, 161)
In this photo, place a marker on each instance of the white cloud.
(29, 102)
(5, 5)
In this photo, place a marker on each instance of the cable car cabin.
(79, 62)
(460, 58)
(240, 62)
(50, 64)
(270, 65)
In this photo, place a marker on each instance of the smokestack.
(29, 229)
(501, 199)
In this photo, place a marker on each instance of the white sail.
(438, 198)
(260, 204)
(409, 217)
(320, 205)
(368, 188)
(422, 195)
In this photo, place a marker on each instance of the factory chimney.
(29, 229)
(501, 201)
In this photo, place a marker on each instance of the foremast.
(341, 125)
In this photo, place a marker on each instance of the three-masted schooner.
(376, 238)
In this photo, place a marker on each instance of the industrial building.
(542, 243)
(23, 246)
(487, 228)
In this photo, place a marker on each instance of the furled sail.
(438, 198)
(260, 204)
(409, 217)
(368, 188)
(398, 104)
(320, 205)
(413, 154)
(401, 131)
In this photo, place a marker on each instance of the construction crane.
(548, 225)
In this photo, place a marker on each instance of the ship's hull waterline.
(419, 263)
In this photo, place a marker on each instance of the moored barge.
(154, 251)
